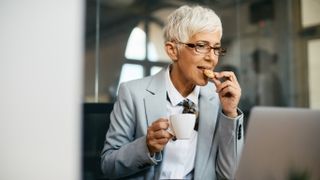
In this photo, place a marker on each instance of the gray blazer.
(139, 103)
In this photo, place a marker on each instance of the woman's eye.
(202, 46)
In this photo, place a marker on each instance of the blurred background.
(61, 64)
(273, 47)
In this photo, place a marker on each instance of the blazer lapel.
(209, 108)
(155, 106)
(155, 101)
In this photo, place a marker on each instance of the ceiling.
(117, 15)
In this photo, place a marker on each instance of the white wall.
(310, 17)
(41, 85)
(314, 74)
(310, 12)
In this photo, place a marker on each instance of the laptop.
(281, 144)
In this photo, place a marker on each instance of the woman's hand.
(229, 92)
(158, 136)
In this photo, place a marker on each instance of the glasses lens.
(222, 51)
(219, 51)
(202, 48)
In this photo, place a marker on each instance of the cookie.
(208, 73)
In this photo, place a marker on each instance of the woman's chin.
(203, 82)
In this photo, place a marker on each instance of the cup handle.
(171, 132)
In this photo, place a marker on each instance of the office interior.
(62, 63)
(272, 46)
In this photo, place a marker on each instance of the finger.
(162, 141)
(159, 120)
(219, 79)
(225, 84)
(228, 91)
(160, 124)
(216, 81)
(226, 75)
(155, 147)
(161, 134)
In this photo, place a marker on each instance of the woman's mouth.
(202, 68)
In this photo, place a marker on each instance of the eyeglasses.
(204, 48)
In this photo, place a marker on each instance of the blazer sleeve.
(230, 137)
(123, 154)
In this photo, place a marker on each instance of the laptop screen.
(281, 143)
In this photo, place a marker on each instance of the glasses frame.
(218, 51)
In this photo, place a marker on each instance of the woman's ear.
(172, 50)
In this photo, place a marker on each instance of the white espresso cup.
(182, 125)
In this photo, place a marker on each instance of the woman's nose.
(210, 56)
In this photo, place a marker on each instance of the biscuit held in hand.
(208, 73)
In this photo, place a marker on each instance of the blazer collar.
(155, 105)
(209, 109)
(155, 100)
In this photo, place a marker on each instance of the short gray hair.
(187, 21)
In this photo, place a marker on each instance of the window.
(136, 45)
(141, 59)
(130, 72)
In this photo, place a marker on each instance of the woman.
(138, 145)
